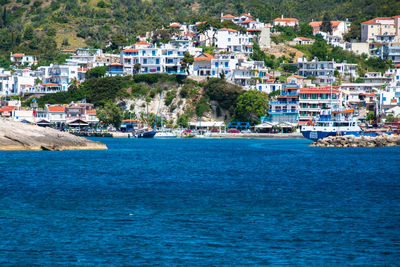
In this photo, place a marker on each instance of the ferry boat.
(331, 123)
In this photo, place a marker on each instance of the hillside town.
(299, 88)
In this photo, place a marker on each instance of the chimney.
(282, 16)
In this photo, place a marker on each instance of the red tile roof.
(142, 43)
(305, 39)
(131, 50)
(227, 16)
(317, 24)
(83, 69)
(229, 30)
(373, 21)
(204, 57)
(18, 55)
(56, 108)
(50, 84)
(7, 108)
(247, 15)
(175, 25)
(248, 21)
(286, 19)
(93, 111)
(68, 51)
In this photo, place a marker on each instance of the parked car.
(233, 130)
(215, 130)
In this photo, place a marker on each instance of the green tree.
(188, 60)
(319, 49)
(250, 106)
(326, 25)
(390, 118)
(96, 72)
(111, 114)
(118, 40)
(29, 33)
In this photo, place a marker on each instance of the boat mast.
(155, 122)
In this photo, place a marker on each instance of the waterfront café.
(274, 127)
(78, 124)
(207, 125)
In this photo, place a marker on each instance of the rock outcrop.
(21, 136)
(362, 141)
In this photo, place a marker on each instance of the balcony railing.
(290, 93)
(282, 111)
(283, 102)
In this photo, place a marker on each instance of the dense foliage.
(250, 106)
(41, 27)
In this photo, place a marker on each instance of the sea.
(201, 202)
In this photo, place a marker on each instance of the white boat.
(165, 134)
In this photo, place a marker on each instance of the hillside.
(41, 27)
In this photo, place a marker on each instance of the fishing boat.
(331, 123)
(145, 133)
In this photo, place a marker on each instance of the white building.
(381, 30)
(339, 28)
(234, 41)
(21, 59)
(7, 86)
(285, 22)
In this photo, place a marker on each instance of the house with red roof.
(245, 20)
(202, 64)
(56, 115)
(288, 22)
(20, 59)
(339, 28)
(381, 29)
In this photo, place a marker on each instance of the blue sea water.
(207, 202)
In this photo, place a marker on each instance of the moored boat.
(331, 123)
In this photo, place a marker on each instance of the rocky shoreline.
(362, 141)
(21, 136)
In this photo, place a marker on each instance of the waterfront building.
(285, 107)
(56, 115)
(312, 100)
(321, 71)
(390, 52)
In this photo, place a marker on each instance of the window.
(226, 64)
(229, 40)
(153, 53)
(216, 64)
(157, 61)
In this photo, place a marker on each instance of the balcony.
(280, 111)
(283, 102)
(290, 94)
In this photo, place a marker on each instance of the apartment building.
(381, 30)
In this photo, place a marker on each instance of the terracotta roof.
(317, 24)
(18, 55)
(227, 16)
(373, 21)
(56, 108)
(393, 100)
(201, 22)
(296, 76)
(142, 43)
(83, 69)
(115, 64)
(229, 30)
(203, 57)
(305, 39)
(68, 50)
(131, 50)
(247, 15)
(93, 111)
(253, 30)
(286, 19)
(175, 25)
(248, 21)
(189, 34)
(7, 108)
(50, 84)
(397, 66)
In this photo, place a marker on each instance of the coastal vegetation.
(41, 28)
